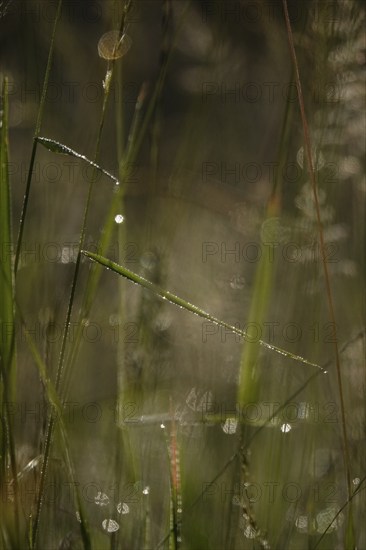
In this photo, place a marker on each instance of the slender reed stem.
(321, 239)
(35, 143)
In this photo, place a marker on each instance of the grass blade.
(6, 277)
(36, 134)
(329, 294)
(7, 301)
(265, 273)
(166, 295)
(56, 414)
(60, 148)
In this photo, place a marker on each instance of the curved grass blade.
(61, 149)
(166, 295)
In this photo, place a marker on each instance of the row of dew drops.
(102, 500)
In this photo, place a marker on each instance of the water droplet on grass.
(302, 524)
(119, 218)
(230, 426)
(316, 156)
(285, 428)
(123, 508)
(146, 490)
(326, 516)
(237, 282)
(197, 402)
(113, 45)
(114, 319)
(68, 255)
(107, 80)
(101, 499)
(250, 532)
(110, 525)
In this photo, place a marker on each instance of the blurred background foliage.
(202, 189)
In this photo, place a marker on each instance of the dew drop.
(285, 428)
(230, 426)
(107, 80)
(146, 490)
(304, 410)
(316, 156)
(114, 319)
(237, 282)
(110, 525)
(123, 508)
(119, 218)
(356, 481)
(113, 46)
(326, 516)
(68, 254)
(302, 523)
(101, 499)
(250, 532)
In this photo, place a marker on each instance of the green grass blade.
(6, 277)
(265, 274)
(60, 148)
(166, 295)
(7, 311)
(57, 408)
(37, 130)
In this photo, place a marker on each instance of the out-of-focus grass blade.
(6, 275)
(61, 149)
(57, 410)
(7, 301)
(166, 295)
